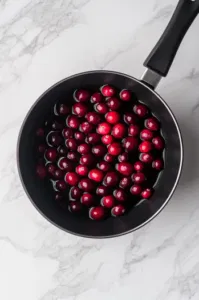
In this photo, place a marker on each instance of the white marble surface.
(41, 42)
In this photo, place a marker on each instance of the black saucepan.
(158, 64)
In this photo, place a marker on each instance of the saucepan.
(157, 66)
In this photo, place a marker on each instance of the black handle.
(162, 56)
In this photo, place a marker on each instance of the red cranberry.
(67, 133)
(59, 197)
(75, 206)
(125, 95)
(145, 147)
(141, 110)
(51, 168)
(93, 118)
(96, 175)
(72, 178)
(73, 122)
(114, 149)
(130, 143)
(134, 130)
(86, 127)
(71, 144)
(146, 157)
(125, 182)
(104, 166)
(158, 164)
(83, 148)
(53, 139)
(120, 195)
(102, 190)
(138, 177)
(158, 142)
(80, 109)
(60, 185)
(152, 124)
(86, 185)
(130, 118)
(96, 98)
(99, 150)
(107, 90)
(82, 170)
(41, 148)
(147, 193)
(56, 125)
(101, 108)
(79, 136)
(93, 138)
(63, 109)
(118, 210)
(58, 174)
(123, 157)
(111, 179)
(112, 117)
(97, 213)
(72, 156)
(75, 193)
(109, 158)
(125, 168)
(146, 135)
(65, 164)
(62, 150)
(41, 171)
(119, 131)
(138, 166)
(87, 159)
(103, 128)
(87, 199)
(81, 95)
(108, 201)
(107, 139)
(40, 132)
(136, 190)
(51, 154)
(113, 103)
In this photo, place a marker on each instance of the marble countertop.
(41, 42)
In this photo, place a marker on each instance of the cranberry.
(102, 190)
(152, 124)
(112, 117)
(82, 170)
(79, 136)
(111, 179)
(158, 142)
(86, 185)
(147, 193)
(104, 166)
(119, 131)
(81, 95)
(134, 130)
(87, 159)
(58, 174)
(99, 150)
(146, 134)
(40, 132)
(107, 90)
(138, 177)
(96, 175)
(145, 147)
(41, 171)
(141, 110)
(65, 164)
(93, 118)
(87, 199)
(101, 108)
(123, 157)
(97, 213)
(83, 148)
(53, 139)
(103, 128)
(120, 195)
(51, 154)
(136, 190)
(72, 156)
(158, 164)
(125, 182)
(80, 109)
(62, 150)
(93, 138)
(71, 144)
(107, 139)
(51, 168)
(125, 95)
(114, 149)
(63, 109)
(72, 178)
(58, 197)
(125, 168)
(96, 98)
(118, 210)
(67, 133)
(73, 122)
(113, 103)
(41, 148)
(109, 158)
(138, 166)
(75, 193)
(86, 127)
(56, 125)
(60, 185)
(108, 201)
(130, 118)
(146, 157)
(75, 206)
(130, 143)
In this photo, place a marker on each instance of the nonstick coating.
(41, 193)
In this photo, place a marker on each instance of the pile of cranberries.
(105, 150)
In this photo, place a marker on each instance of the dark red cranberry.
(101, 108)
(136, 190)
(96, 175)
(158, 164)
(113, 103)
(41, 171)
(81, 95)
(86, 185)
(87, 159)
(104, 166)
(93, 118)
(41, 148)
(112, 117)
(107, 91)
(125, 95)
(72, 156)
(59, 197)
(109, 158)
(125, 168)
(118, 210)
(72, 178)
(96, 98)
(138, 177)
(145, 147)
(111, 179)
(51, 168)
(146, 157)
(82, 170)
(87, 199)
(108, 201)
(114, 149)
(56, 125)
(102, 190)
(120, 195)
(134, 130)
(63, 109)
(97, 213)
(130, 118)
(67, 133)
(71, 144)
(146, 135)
(123, 157)
(60, 185)
(107, 139)
(62, 150)
(79, 136)
(125, 182)
(75, 193)
(73, 122)
(158, 142)
(51, 154)
(86, 127)
(75, 206)
(53, 139)
(93, 138)
(138, 166)
(58, 174)
(147, 193)
(141, 110)
(80, 109)
(83, 148)
(152, 124)
(130, 143)
(119, 131)
(104, 128)
(40, 132)
(65, 164)
(99, 150)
